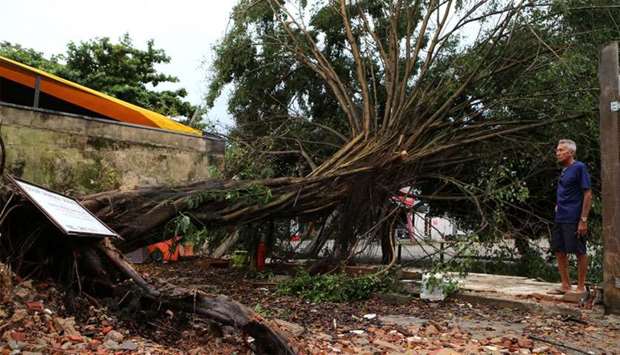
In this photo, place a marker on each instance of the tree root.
(33, 246)
(268, 338)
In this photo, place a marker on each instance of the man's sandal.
(558, 291)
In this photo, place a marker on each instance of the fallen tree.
(414, 115)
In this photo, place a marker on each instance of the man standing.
(574, 199)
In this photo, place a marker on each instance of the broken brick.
(34, 306)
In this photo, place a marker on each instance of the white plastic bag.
(432, 287)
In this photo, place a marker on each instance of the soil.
(35, 320)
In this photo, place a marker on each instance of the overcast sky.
(185, 29)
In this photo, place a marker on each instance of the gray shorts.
(564, 239)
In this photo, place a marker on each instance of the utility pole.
(609, 108)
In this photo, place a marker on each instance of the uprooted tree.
(414, 105)
(418, 94)
(271, 105)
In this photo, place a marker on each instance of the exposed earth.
(34, 320)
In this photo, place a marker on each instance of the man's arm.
(582, 228)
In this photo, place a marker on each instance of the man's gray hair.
(570, 144)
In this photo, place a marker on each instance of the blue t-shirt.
(574, 179)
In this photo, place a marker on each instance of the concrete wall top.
(97, 127)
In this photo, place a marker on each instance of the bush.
(336, 287)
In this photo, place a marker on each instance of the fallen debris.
(96, 330)
(451, 327)
(92, 265)
(561, 345)
(6, 282)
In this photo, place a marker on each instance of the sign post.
(64, 212)
(609, 107)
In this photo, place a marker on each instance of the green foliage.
(276, 101)
(239, 259)
(336, 287)
(261, 310)
(549, 75)
(184, 227)
(557, 77)
(249, 194)
(215, 172)
(245, 164)
(30, 57)
(118, 69)
(515, 186)
(447, 283)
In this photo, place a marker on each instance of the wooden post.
(609, 105)
(441, 251)
(37, 91)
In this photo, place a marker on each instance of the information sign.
(66, 213)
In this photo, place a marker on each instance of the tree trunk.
(268, 337)
(387, 244)
(316, 245)
(225, 245)
(141, 215)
